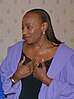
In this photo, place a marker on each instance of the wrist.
(47, 80)
(14, 79)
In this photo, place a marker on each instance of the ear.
(44, 26)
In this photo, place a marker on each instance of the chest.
(45, 54)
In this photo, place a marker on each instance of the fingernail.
(38, 64)
(43, 60)
(24, 58)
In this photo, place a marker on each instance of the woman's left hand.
(40, 72)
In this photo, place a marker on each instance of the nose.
(24, 31)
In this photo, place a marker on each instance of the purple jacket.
(61, 70)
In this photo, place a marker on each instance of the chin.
(28, 42)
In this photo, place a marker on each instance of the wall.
(11, 12)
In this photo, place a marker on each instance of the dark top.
(30, 85)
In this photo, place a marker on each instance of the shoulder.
(65, 49)
(15, 48)
(63, 53)
(16, 44)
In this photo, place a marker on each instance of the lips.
(25, 37)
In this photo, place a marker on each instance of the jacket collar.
(62, 55)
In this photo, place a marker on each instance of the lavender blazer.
(61, 70)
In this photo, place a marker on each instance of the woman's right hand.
(23, 70)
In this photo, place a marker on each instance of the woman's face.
(32, 29)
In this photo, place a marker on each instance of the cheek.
(36, 33)
(36, 36)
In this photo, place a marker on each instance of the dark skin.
(36, 47)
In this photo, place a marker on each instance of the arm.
(40, 73)
(62, 86)
(11, 70)
(7, 70)
(22, 71)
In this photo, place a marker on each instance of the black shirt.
(30, 85)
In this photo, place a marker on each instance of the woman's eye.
(29, 27)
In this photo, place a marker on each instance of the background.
(12, 11)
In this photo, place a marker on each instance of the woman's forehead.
(31, 17)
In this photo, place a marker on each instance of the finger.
(36, 63)
(31, 69)
(30, 64)
(43, 64)
(34, 75)
(22, 61)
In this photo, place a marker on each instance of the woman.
(40, 67)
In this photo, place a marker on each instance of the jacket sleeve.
(62, 88)
(7, 71)
(1, 91)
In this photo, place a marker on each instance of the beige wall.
(11, 12)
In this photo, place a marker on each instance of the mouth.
(26, 37)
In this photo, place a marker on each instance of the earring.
(43, 32)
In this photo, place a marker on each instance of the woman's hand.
(40, 72)
(23, 70)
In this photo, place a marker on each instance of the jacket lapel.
(62, 55)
